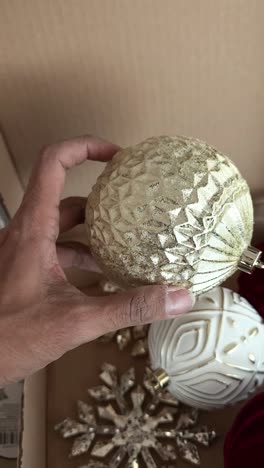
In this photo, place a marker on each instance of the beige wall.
(127, 69)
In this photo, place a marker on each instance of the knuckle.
(44, 149)
(45, 157)
(48, 153)
(139, 309)
(45, 152)
(147, 305)
(143, 306)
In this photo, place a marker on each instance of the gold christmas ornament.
(213, 356)
(171, 210)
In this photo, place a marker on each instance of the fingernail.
(179, 301)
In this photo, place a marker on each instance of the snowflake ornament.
(139, 434)
(123, 338)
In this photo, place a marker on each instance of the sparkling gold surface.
(170, 210)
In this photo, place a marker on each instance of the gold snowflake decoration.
(123, 338)
(135, 435)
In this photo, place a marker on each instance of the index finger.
(47, 181)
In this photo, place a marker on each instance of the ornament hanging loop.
(250, 260)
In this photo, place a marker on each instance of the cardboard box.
(125, 70)
(50, 395)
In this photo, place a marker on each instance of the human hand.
(41, 314)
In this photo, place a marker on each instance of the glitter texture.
(139, 432)
(170, 210)
(124, 337)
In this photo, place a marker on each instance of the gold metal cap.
(250, 260)
(160, 379)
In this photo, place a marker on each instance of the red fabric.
(244, 444)
(252, 288)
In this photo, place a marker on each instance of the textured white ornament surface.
(214, 355)
(170, 210)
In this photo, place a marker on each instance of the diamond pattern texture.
(170, 210)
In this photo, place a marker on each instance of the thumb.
(144, 305)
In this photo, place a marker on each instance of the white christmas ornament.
(171, 210)
(214, 355)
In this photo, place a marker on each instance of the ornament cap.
(160, 379)
(250, 260)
